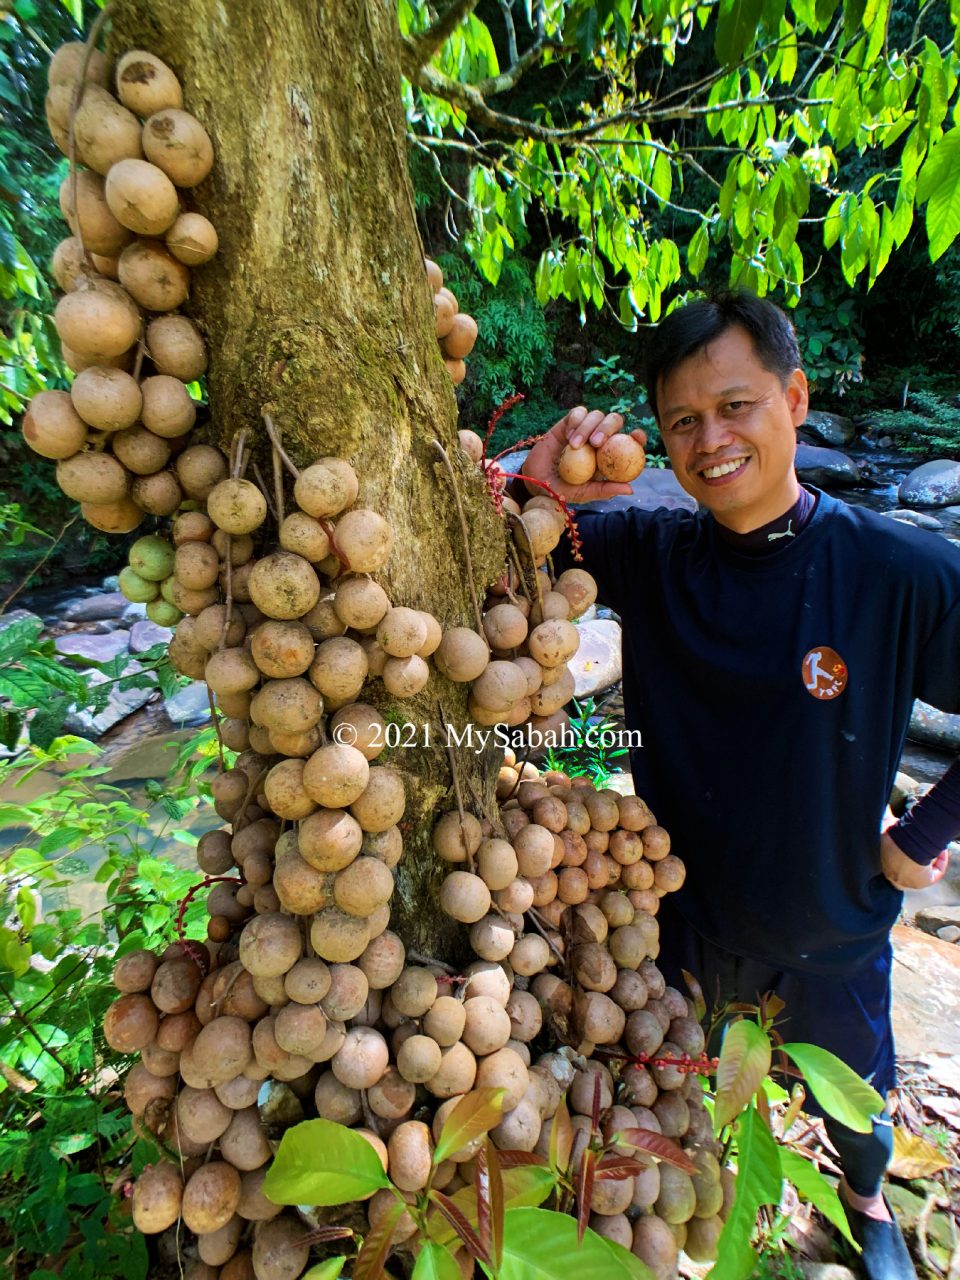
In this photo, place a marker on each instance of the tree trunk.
(316, 310)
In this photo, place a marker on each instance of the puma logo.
(787, 532)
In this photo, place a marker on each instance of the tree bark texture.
(316, 309)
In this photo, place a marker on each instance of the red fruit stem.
(191, 894)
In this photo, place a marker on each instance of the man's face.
(729, 428)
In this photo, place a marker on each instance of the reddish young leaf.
(655, 1144)
(512, 1159)
(496, 1203)
(614, 1168)
(376, 1245)
(324, 1234)
(461, 1226)
(584, 1189)
(481, 1186)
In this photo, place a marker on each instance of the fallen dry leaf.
(947, 1109)
(914, 1157)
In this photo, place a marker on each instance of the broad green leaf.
(434, 1262)
(813, 1186)
(328, 1270)
(541, 1245)
(475, 1114)
(837, 1087)
(19, 637)
(759, 1182)
(939, 187)
(736, 29)
(698, 249)
(744, 1061)
(322, 1163)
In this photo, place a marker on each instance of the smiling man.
(773, 645)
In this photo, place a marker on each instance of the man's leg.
(864, 1158)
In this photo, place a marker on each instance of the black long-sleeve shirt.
(773, 695)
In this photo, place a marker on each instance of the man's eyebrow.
(727, 391)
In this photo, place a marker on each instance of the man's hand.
(578, 427)
(903, 872)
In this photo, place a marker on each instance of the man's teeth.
(724, 469)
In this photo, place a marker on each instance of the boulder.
(904, 789)
(598, 662)
(96, 608)
(831, 428)
(949, 933)
(935, 484)
(926, 994)
(144, 635)
(18, 615)
(189, 705)
(933, 919)
(120, 704)
(826, 468)
(918, 518)
(655, 487)
(93, 648)
(933, 727)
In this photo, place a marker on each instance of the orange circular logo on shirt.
(824, 673)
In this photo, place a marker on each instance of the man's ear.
(797, 392)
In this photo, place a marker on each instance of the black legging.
(863, 1156)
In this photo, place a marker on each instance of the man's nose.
(713, 433)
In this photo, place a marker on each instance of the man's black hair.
(691, 328)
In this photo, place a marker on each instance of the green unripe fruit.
(163, 613)
(166, 589)
(133, 587)
(152, 557)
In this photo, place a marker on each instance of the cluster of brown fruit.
(456, 331)
(124, 271)
(367, 1036)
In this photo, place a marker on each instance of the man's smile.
(723, 472)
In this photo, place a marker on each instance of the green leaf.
(736, 29)
(813, 1186)
(837, 1087)
(744, 1061)
(75, 10)
(939, 187)
(328, 1270)
(322, 1163)
(759, 1182)
(434, 1262)
(541, 1245)
(698, 249)
(18, 638)
(475, 1114)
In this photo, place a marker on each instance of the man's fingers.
(597, 427)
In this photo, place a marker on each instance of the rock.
(826, 468)
(825, 1271)
(831, 428)
(133, 612)
(904, 789)
(189, 705)
(935, 728)
(933, 919)
(111, 583)
(144, 635)
(926, 994)
(598, 663)
(935, 484)
(949, 933)
(120, 704)
(18, 615)
(93, 648)
(653, 489)
(96, 608)
(918, 518)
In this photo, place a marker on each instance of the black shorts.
(849, 1015)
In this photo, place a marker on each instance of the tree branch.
(506, 8)
(418, 50)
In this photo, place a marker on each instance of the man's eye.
(736, 404)
(682, 422)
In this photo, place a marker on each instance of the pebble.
(949, 933)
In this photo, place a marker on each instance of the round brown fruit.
(175, 347)
(52, 427)
(146, 84)
(177, 143)
(192, 239)
(237, 506)
(152, 276)
(141, 197)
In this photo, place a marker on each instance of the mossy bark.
(316, 310)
